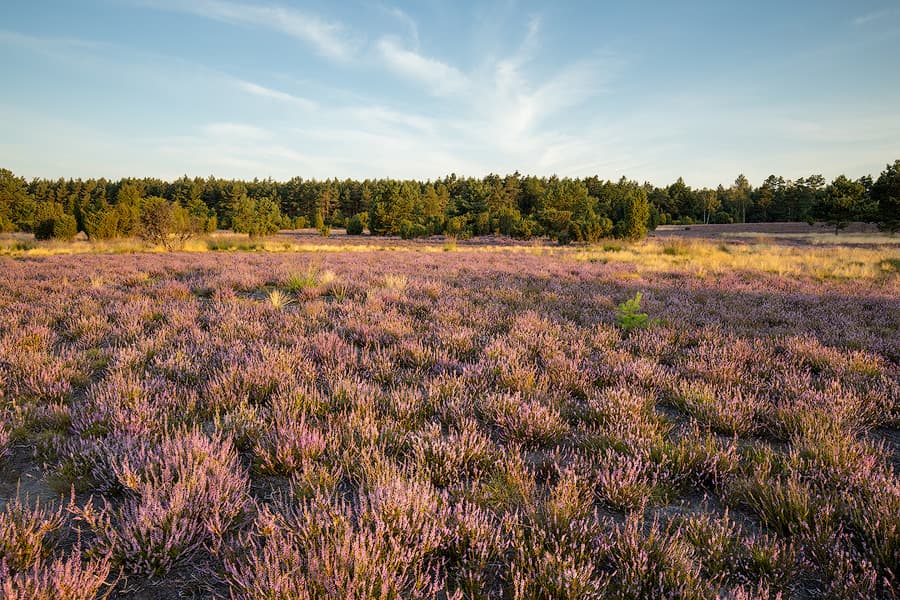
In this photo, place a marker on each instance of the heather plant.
(694, 459)
(570, 499)
(784, 502)
(5, 435)
(69, 578)
(287, 441)
(649, 561)
(872, 523)
(317, 478)
(524, 420)
(327, 549)
(509, 486)
(447, 459)
(475, 551)
(242, 424)
(549, 567)
(480, 433)
(622, 418)
(724, 409)
(28, 532)
(181, 497)
(625, 482)
(729, 556)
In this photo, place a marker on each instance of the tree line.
(563, 209)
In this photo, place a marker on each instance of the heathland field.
(387, 419)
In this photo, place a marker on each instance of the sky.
(652, 91)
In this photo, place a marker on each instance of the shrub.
(783, 503)
(28, 534)
(447, 459)
(649, 562)
(181, 497)
(698, 459)
(357, 223)
(725, 409)
(288, 442)
(410, 230)
(524, 420)
(385, 546)
(628, 316)
(51, 222)
(166, 223)
(625, 482)
(62, 579)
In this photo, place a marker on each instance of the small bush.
(62, 579)
(181, 497)
(624, 482)
(28, 534)
(628, 316)
(357, 224)
(51, 222)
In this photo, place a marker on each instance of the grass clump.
(298, 281)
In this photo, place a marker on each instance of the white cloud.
(438, 77)
(236, 131)
(329, 38)
(407, 21)
(871, 17)
(265, 92)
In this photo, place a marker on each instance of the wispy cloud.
(265, 92)
(16, 38)
(438, 77)
(407, 21)
(873, 16)
(329, 38)
(236, 131)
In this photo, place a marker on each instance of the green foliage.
(16, 205)
(637, 214)
(525, 229)
(628, 315)
(357, 223)
(166, 223)
(409, 230)
(886, 196)
(456, 227)
(101, 222)
(845, 201)
(51, 222)
(564, 209)
(301, 280)
(256, 217)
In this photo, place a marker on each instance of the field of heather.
(427, 420)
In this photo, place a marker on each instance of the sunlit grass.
(702, 257)
(848, 256)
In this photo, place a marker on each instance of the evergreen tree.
(16, 204)
(637, 213)
(51, 222)
(845, 201)
(886, 196)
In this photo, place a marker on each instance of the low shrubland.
(417, 425)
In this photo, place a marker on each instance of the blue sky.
(372, 88)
